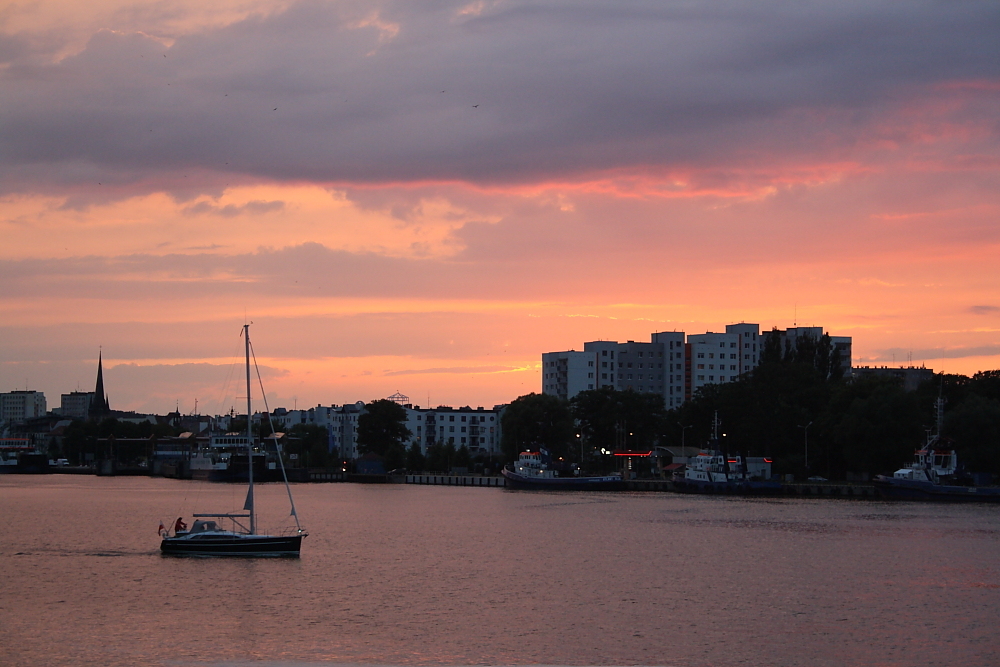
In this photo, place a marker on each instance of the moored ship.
(536, 470)
(713, 471)
(933, 475)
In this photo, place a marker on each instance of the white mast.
(249, 504)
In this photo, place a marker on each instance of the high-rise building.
(76, 404)
(671, 364)
(16, 407)
(566, 374)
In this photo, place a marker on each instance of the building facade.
(76, 404)
(16, 407)
(672, 364)
(475, 428)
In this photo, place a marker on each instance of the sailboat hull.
(253, 546)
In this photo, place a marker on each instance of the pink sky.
(423, 197)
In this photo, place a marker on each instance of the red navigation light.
(767, 460)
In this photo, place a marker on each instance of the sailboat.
(207, 537)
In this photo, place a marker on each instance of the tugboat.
(536, 470)
(712, 471)
(932, 474)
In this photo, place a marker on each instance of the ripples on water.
(414, 575)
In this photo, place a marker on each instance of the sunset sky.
(425, 196)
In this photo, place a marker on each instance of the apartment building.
(475, 428)
(671, 364)
(16, 407)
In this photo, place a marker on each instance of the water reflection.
(410, 575)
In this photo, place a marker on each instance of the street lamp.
(683, 432)
(805, 437)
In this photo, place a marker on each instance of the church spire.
(99, 406)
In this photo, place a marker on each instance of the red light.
(767, 460)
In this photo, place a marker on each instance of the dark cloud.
(325, 92)
(231, 210)
(984, 310)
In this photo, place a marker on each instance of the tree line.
(796, 408)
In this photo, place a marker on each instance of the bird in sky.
(475, 106)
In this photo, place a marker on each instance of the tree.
(611, 419)
(414, 458)
(382, 430)
(311, 442)
(534, 421)
(974, 425)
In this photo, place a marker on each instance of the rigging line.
(224, 396)
(281, 459)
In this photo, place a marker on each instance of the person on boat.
(179, 525)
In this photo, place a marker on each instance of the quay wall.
(456, 480)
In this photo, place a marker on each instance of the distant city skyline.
(426, 198)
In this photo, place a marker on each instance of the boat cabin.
(929, 465)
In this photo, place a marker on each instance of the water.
(414, 575)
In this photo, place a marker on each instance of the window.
(604, 376)
(590, 375)
(746, 356)
(463, 417)
(451, 418)
(451, 429)
(604, 353)
(701, 367)
(711, 355)
(732, 356)
(463, 441)
(746, 346)
(640, 376)
(590, 386)
(701, 377)
(630, 364)
(604, 364)
(722, 344)
(711, 367)
(711, 378)
(640, 365)
(640, 354)
(701, 355)
(590, 364)
(629, 376)
(463, 429)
